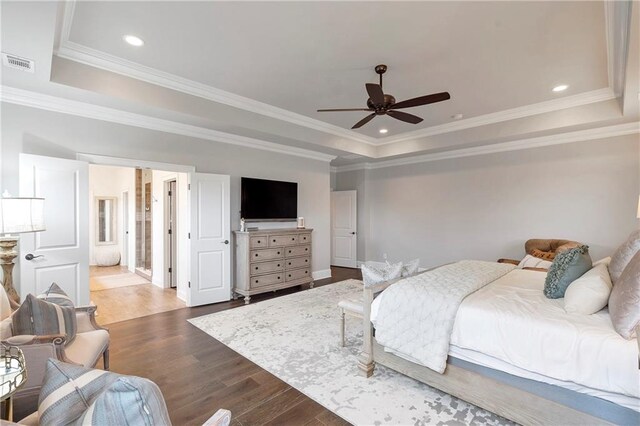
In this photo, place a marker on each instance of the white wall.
(486, 207)
(42, 132)
(107, 181)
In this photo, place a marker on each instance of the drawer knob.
(258, 241)
(289, 251)
(278, 252)
(306, 260)
(256, 268)
(278, 265)
(256, 281)
(274, 241)
(306, 272)
(306, 249)
(278, 277)
(289, 263)
(289, 274)
(256, 254)
(293, 239)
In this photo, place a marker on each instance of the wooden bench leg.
(342, 326)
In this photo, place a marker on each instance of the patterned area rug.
(296, 338)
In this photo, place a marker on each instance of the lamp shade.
(18, 215)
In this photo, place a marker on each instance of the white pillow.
(534, 262)
(605, 261)
(410, 267)
(589, 293)
(373, 274)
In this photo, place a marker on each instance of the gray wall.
(40, 132)
(485, 207)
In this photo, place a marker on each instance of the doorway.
(170, 225)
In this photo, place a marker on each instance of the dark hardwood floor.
(198, 375)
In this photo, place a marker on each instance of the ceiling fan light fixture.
(560, 88)
(133, 40)
(383, 131)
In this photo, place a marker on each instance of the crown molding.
(515, 145)
(83, 54)
(580, 99)
(615, 18)
(81, 109)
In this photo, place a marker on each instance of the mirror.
(105, 220)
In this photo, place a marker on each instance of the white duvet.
(510, 320)
(415, 316)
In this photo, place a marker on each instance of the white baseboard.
(319, 275)
(182, 296)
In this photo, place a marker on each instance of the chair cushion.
(352, 305)
(54, 294)
(623, 255)
(530, 261)
(68, 390)
(42, 318)
(625, 299)
(88, 347)
(566, 268)
(5, 329)
(128, 401)
(5, 306)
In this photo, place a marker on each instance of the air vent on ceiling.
(13, 61)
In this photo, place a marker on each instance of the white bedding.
(511, 321)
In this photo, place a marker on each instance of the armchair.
(91, 343)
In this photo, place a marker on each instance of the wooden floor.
(134, 301)
(198, 375)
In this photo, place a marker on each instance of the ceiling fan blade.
(422, 100)
(364, 121)
(375, 93)
(403, 116)
(344, 109)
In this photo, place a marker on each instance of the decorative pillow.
(373, 274)
(410, 267)
(566, 268)
(68, 390)
(534, 262)
(54, 294)
(624, 302)
(129, 400)
(623, 255)
(546, 255)
(41, 318)
(589, 293)
(604, 261)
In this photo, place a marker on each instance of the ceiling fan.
(383, 104)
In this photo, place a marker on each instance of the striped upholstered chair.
(90, 344)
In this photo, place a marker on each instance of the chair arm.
(220, 418)
(86, 319)
(511, 261)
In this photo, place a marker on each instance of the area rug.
(296, 338)
(107, 282)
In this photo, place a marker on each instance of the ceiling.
(254, 73)
(301, 56)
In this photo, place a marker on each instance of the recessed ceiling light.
(133, 40)
(383, 131)
(457, 116)
(560, 88)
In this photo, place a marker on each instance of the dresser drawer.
(282, 240)
(265, 267)
(258, 242)
(297, 262)
(296, 274)
(304, 238)
(297, 251)
(264, 280)
(266, 254)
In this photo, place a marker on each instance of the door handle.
(30, 256)
(225, 242)
(353, 233)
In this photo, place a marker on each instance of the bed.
(516, 353)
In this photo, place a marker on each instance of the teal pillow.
(567, 266)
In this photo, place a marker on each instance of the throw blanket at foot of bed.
(415, 317)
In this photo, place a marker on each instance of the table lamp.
(17, 215)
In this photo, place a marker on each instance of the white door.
(344, 241)
(124, 259)
(210, 252)
(64, 246)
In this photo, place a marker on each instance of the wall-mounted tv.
(268, 200)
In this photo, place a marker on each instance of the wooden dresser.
(271, 259)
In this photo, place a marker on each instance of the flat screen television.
(268, 199)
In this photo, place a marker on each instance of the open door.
(210, 280)
(63, 249)
(343, 229)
